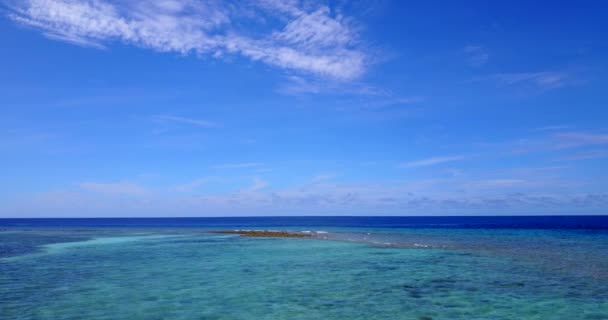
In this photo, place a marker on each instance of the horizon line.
(324, 216)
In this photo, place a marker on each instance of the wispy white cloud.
(296, 86)
(439, 196)
(382, 103)
(509, 191)
(552, 128)
(309, 38)
(321, 178)
(243, 165)
(497, 182)
(192, 185)
(478, 56)
(586, 155)
(114, 188)
(544, 79)
(432, 161)
(553, 142)
(257, 185)
(191, 121)
(579, 139)
(299, 86)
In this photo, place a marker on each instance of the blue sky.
(235, 108)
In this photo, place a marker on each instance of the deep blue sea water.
(353, 268)
(525, 222)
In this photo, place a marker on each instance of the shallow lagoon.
(356, 273)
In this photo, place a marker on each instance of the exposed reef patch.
(265, 233)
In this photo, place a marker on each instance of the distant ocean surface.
(525, 222)
(421, 268)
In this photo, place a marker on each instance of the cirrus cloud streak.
(291, 36)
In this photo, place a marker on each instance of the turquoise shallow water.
(350, 274)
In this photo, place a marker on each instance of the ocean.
(420, 268)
